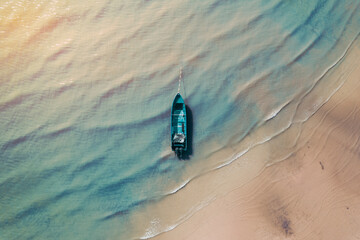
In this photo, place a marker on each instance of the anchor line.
(180, 77)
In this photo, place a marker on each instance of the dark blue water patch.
(321, 20)
(344, 20)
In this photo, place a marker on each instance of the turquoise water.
(86, 90)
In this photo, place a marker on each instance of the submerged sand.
(314, 193)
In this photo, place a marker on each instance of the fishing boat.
(178, 125)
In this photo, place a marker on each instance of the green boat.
(178, 125)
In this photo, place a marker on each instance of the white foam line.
(178, 188)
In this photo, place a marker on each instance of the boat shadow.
(185, 155)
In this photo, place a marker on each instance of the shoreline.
(282, 200)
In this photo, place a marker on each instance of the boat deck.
(178, 123)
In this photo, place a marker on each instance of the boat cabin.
(178, 125)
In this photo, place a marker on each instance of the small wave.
(177, 188)
(13, 143)
(15, 101)
(95, 162)
(57, 133)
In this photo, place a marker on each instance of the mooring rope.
(180, 77)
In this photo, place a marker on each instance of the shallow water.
(86, 90)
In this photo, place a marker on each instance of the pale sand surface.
(312, 194)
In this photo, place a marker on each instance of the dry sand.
(313, 194)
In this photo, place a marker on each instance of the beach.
(312, 194)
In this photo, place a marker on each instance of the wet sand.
(313, 194)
